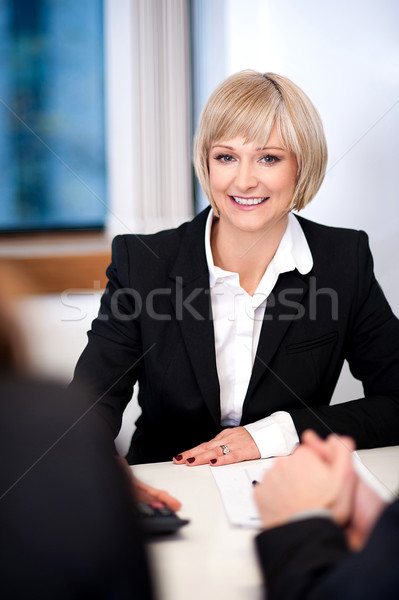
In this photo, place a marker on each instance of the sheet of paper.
(371, 479)
(236, 489)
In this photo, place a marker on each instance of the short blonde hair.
(248, 104)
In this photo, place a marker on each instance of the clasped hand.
(320, 475)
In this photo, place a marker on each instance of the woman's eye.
(269, 159)
(224, 158)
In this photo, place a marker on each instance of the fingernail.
(191, 459)
(178, 457)
(213, 460)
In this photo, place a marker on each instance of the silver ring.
(225, 449)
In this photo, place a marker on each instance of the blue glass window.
(52, 157)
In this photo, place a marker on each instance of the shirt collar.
(292, 253)
(215, 272)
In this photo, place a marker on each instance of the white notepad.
(235, 487)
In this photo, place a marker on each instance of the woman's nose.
(246, 176)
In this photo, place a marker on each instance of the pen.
(255, 482)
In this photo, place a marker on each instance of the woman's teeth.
(248, 201)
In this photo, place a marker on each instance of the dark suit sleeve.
(111, 362)
(309, 560)
(372, 350)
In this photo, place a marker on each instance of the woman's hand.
(141, 492)
(239, 442)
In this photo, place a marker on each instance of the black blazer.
(67, 526)
(309, 560)
(155, 327)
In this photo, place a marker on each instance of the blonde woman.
(236, 325)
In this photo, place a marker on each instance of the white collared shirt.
(237, 320)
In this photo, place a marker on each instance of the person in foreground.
(236, 324)
(327, 534)
(67, 526)
(67, 521)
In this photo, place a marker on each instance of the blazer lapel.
(192, 305)
(281, 312)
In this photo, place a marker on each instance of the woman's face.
(252, 187)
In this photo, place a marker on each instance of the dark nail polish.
(191, 459)
(213, 460)
(179, 457)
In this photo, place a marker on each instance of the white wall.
(345, 56)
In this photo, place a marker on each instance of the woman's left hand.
(239, 442)
(142, 492)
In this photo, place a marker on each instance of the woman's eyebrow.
(222, 146)
(272, 148)
(257, 149)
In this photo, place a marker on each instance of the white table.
(209, 559)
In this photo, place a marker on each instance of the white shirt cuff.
(274, 435)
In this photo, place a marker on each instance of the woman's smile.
(248, 202)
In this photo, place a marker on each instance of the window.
(52, 156)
